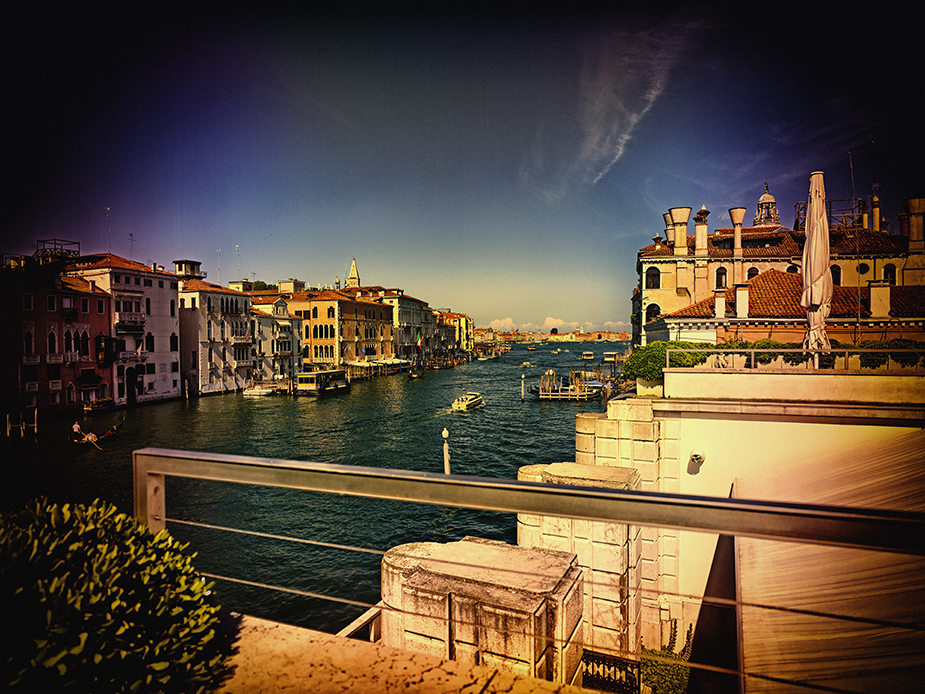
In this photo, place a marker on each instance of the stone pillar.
(486, 602)
(608, 554)
(584, 437)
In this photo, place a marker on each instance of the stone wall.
(608, 554)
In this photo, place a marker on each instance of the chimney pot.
(719, 302)
(742, 300)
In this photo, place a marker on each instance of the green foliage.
(872, 360)
(649, 362)
(95, 602)
(664, 670)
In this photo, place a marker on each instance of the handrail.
(891, 531)
(751, 351)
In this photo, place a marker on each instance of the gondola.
(93, 438)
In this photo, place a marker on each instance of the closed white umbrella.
(817, 279)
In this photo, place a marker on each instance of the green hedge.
(98, 603)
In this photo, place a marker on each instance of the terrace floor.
(274, 657)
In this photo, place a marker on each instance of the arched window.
(752, 273)
(315, 312)
(836, 275)
(330, 311)
(653, 312)
(52, 343)
(173, 307)
(147, 306)
(209, 304)
(149, 342)
(84, 344)
(793, 269)
(68, 342)
(889, 273)
(653, 278)
(174, 342)
(721, 278)
(28, 347)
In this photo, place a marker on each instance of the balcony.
(213, 365)
(133, 356)
(54, 358)
(128, 318)
(815, 531)
(240, 340)
(54, 385)
(240, 363)
(69, 314)
(32, 387)
(72, 357)
(31, 358)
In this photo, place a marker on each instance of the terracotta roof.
(203, 286)
(776, 294)
(868, 242)
(109, 260)
(79, 284)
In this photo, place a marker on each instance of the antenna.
(109, 214)
(219, 251)
(238, 251)
(131, 254)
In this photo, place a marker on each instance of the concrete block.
(648, 475)
(670, 485)
(668, 544)
(670, 448)
(607, 586)
(609, 533)
(466, 653)
(582, 547)
(670, 428)
(639, 410)
(668, 566)
(581, 528)
(529, 536)
(426, 644)
(644, 431)
(607, 428)
(605, 640)
(607, 613)
(554, 525)
(648, 572)
(608, 558)
(608, 448)
(426, 613)
(556, 542)
(584, 458)
(505, 631)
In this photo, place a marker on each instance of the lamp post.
(446, 451)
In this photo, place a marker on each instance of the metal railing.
(884, 531)
(828, 357)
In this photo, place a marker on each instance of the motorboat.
(587, 356)
(259, 390)
(526, 365)
(322, 382)
(468, 401)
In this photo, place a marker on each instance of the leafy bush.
(665, 671)
(101, 604)
(649, 362)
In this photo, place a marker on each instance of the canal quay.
(391, 422)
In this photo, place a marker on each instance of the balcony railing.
(128, 317)
(72, 357)
(133, 356)
(54, 358)
(32, 387)
(239, 363)
(884, 532)
(750, 358)
(31, 358)
(54, 385)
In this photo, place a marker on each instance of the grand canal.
(392, 422)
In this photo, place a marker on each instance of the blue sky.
(495, 160)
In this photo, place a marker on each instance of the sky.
(502, 160)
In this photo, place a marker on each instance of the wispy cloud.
(623, 76)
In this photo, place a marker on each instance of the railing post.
(150, 507)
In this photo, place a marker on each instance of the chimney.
(879, 298)
(876, 213)
(153, 267)
(719, 302)
(742, 300)
(915, 208)
(679, 217)
(669, 227)
(737, 215)
(700, 231)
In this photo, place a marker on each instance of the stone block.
(607, 428)
(466, 653)
(671, 428)
(464, 611)
(507, 664)
(582, 547)
(605, 557)
(648, 475)
(505, 631)
(639, 410)
(606, 640)
(607, 448)
(585, 458)
(648, 571)
(426, 612)
(607, 613)
(668, 544)
(581, 528)
(645, 451)
(557, 542)
(425, 644)
(670, 485)
(618, 410)
(608, 586)
(668, 565)
(554, 525)
(611, 533)
(571, 661)
(644, 431)
(670, 448)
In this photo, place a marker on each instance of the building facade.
(217, 346)
(277, 342)
(145, 325)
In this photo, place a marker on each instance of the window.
(85, 305)
(836, 275)
(148, 283)
(653, 312)
(174, 367)
(192, 302)
(173, 307)
(330, 311)
(52, 302)
(27, 302)
(793, 269)
(138, 280)
(68, 343)
(117, 279)
(52, 343)
(315, 312)
(174, 342)
(889, 273)
(160, 283)
(147, 306)
(84, 344)
(752, 273)
(149, 342)
(721, 278)
(653, 278)
(150, 369)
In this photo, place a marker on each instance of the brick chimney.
(742, 300)
(879, 298)
(700, 232)
(679, 217)
(737, 215)
(719, 301)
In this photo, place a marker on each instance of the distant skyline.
(489, 159)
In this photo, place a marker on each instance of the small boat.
(93, 438)
(259, 390)
(322, 382)
(587, 356)
(526, 365)
(468, 401)
(532, 348)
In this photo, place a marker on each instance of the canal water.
(392, 422)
